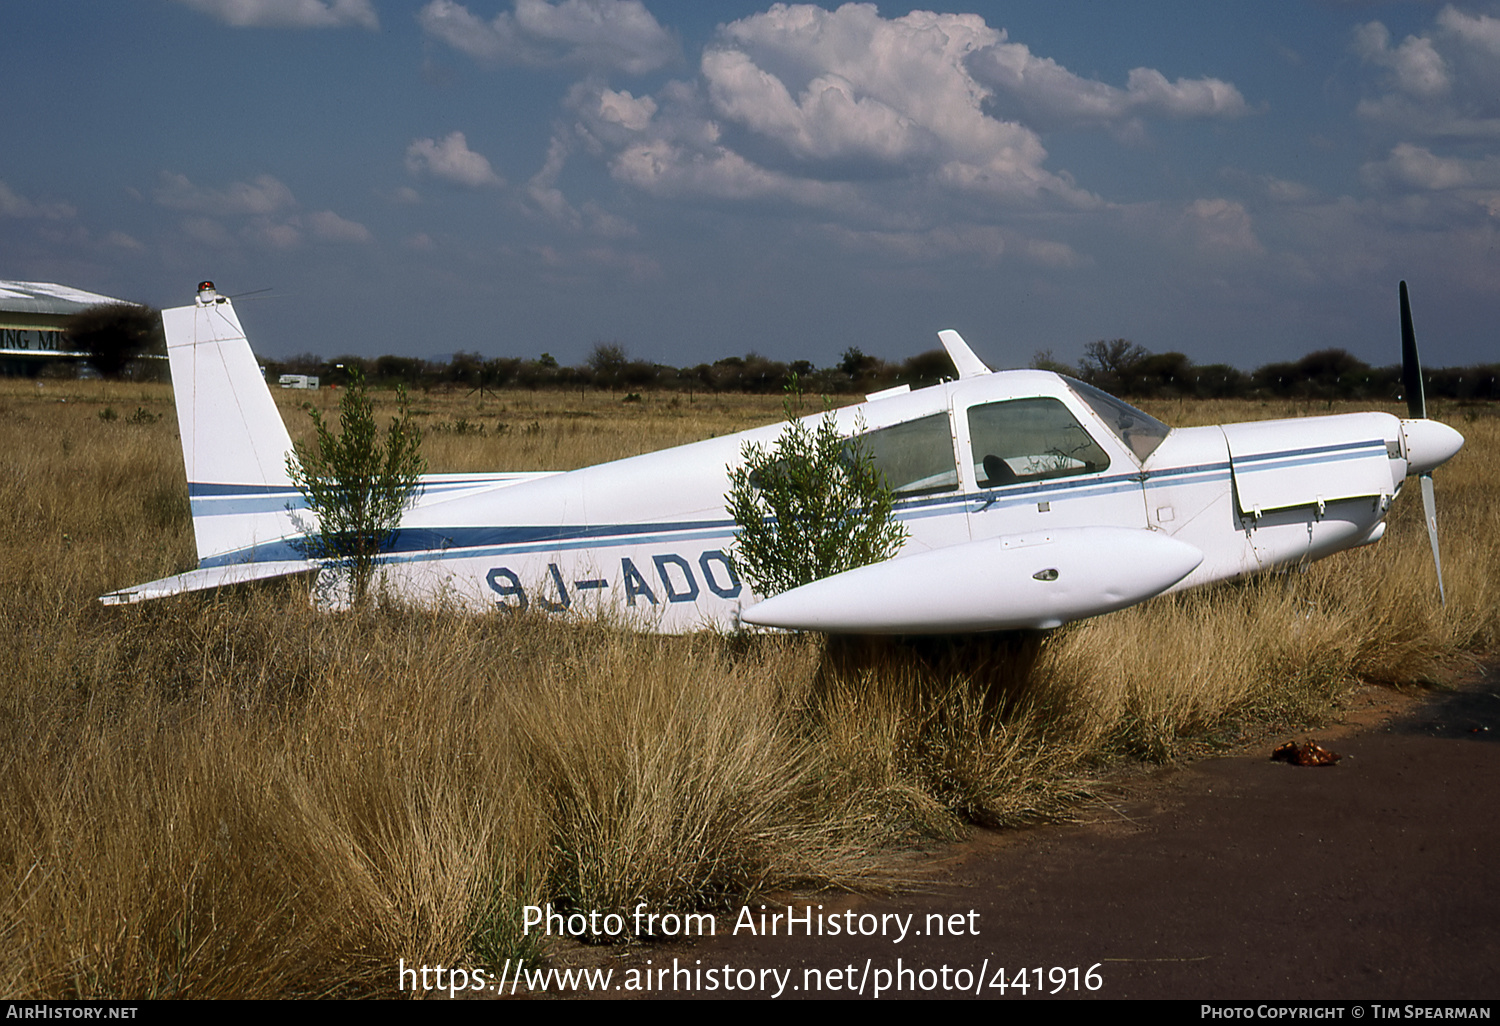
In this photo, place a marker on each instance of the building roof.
(40, 297)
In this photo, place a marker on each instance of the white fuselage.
(1029, 500)
(648, 536)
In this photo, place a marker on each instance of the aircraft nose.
(1429, 444)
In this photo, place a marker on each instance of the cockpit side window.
(1141, 432)
(916, 457)
(1023, 440)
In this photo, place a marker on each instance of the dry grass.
(233, 796)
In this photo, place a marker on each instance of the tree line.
(1124, 368)
(117, 334)
(1118, 366)
(610, 366)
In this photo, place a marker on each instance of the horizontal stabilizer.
(202, 580)
(1035, 581)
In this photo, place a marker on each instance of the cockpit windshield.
(1140, 431)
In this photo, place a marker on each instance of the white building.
(32, 315)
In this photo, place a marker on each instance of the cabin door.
(1030, 465)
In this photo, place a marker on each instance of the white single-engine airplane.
(1030, 499)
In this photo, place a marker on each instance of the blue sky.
(1241, 182)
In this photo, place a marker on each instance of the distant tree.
(500, 371)
(1043, 359)
(762, 375)
(1160, 373)
(1331, 366)
(1325, 374)
(398, 369)
(113, 334)
(607, 361)
(854, 362)
(465, 369)
(726, 375)
(1219, 381)
(536, 373)
(644, 374)
(341, 370)
(927, 368)
(1115, 358)
(302, 363)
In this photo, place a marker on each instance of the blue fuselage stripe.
(429, 543)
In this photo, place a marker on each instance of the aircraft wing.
(204, 579)
(1039, 580)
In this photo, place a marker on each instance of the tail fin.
(234, 444)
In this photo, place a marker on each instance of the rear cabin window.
(1023, 440)
(916, 457)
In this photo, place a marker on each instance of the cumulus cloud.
(986, 243)
(1442, 82)
(1418, 168)
(264, 209)
(289, 13)
(13, 204)
(625, 110)
(807, 104)
(273, 234)
(452, 161)
(1222, 227)
(330, 227)
(849, 84)
(832, 118)
(1479, 31)
(891, 130)
(264, 195)
(207, 232)
(1280, 191)
(667, 170)
(1454, 191)
(1438, 94)
(1416, 67)
(1047, 95)
(547, 198)
(119, 240)
(598, 34)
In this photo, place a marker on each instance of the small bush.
(812, 506)
(357, 485)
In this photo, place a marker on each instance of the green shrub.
(356, 484)
(812, 506)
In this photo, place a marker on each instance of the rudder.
(234, 444)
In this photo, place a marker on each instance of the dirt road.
(1235, 877)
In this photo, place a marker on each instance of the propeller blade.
(1411, 364)
(1429, 512)
(1416, 407)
